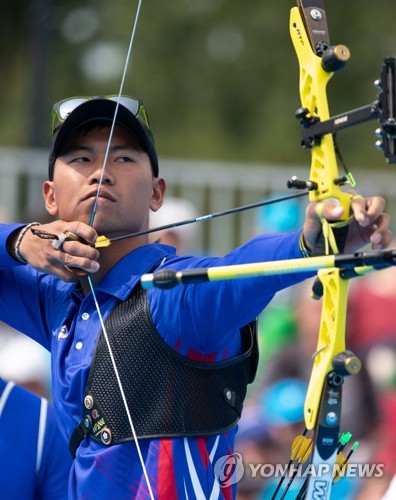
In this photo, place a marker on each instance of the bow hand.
(369, 224)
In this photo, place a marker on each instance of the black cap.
(103, 109)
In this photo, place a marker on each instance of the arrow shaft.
(203, 218)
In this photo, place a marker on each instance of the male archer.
(184, 356)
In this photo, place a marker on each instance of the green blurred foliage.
(220, 77)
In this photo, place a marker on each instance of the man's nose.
(101, 173)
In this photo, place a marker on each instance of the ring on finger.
(62, 237)
(57, 244)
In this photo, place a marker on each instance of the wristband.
(19, 240)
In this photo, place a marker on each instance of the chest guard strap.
(168, 395)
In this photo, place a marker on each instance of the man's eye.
(80, 159)
(124, 159)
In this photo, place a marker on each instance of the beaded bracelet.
(19, 240)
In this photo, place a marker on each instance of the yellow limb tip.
(102, 242)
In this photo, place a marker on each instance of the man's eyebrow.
(73, 148)
(121, 147)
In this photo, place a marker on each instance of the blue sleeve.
(22, 288)
(56, 462)
(210, 314)
(5, 258)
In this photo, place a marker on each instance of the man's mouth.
(102, 195)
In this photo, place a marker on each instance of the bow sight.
(383, 109)
(333, 58)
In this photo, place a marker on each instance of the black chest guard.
(168, 395)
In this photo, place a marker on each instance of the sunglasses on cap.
(62, 109)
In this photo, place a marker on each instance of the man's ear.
(159, 188)
(49, 198)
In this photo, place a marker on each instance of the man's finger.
(81, 230)
(382, 236)
(64, 260)
(332, 212)
(366, 211)
(77, 249)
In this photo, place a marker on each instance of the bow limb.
(313, 85)
(331, 340)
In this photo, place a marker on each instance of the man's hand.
(370, 224)
(72, 260)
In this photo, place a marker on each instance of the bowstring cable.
(115, 113)
(89, 278)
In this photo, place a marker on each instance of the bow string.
(92, 219)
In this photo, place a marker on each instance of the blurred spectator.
(360, 408)
(282, 408)
(184, 238)
(277, 326)
(35, 460)
(371, 331)
(281, 393)
(267, 431)
(254, 444)
(25, 362)
(390, 493)
(288, 338)
(280, 217)
(371, 316)
(22, 360)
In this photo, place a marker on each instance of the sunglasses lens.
(66, 107)
(131, 104)
(63, 109)
(134, 106)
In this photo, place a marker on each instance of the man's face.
(128, 190)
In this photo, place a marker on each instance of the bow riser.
(313, 84)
